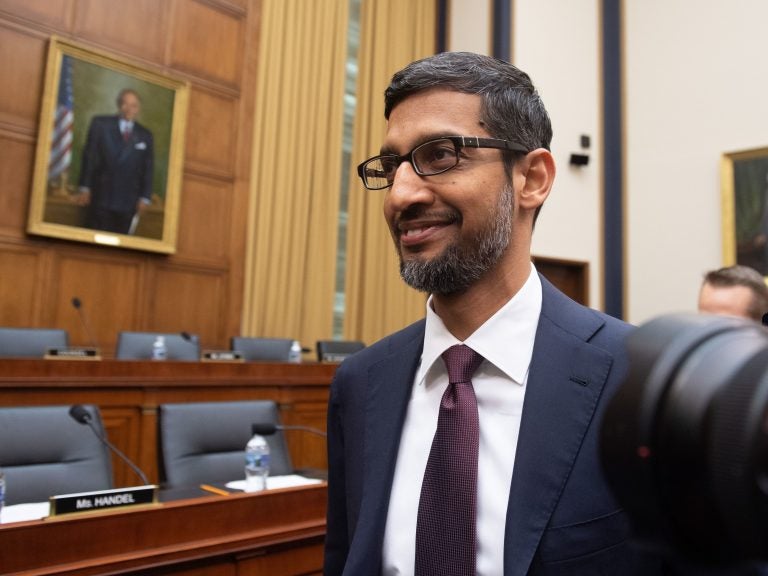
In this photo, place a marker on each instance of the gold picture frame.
(744, 185)
(91, 183)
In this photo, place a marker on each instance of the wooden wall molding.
(216, 54)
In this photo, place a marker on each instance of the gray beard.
(461, 265)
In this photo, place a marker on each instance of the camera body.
(684, 441)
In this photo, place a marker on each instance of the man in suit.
(467, 168)
(117, 168)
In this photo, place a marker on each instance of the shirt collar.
(505, 339)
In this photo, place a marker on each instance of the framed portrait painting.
(108, 164)
(745, 208)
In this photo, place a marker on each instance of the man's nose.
(408, 188)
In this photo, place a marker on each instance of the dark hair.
(511, 107)
(730, 276)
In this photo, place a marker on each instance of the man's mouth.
(415, 235)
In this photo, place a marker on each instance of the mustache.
(420, 213)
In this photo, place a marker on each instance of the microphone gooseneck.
(81, 414)
(78, 305)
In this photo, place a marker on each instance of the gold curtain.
(392, 34)
(295, 185)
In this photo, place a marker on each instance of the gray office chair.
(204, 442)
(44, 453)
(337, 350)
(31, 342)
(138, 345)
(262, 349)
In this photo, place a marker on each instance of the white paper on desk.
(287, 481)
(23, 512)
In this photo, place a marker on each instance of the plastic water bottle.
(256, 464)
(159, 350)
(295, 354)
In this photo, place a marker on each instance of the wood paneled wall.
(210, 43)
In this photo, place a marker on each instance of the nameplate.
(221, 356)
(107, 239)
(103, 500)
(335, 357)
(72, 353)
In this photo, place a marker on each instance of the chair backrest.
(44, 453)
(31, 342)
(205, 441)
(337, 350)
(138, 345)
(264, 349)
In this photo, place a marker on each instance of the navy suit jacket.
(561, 516)
(117, 172)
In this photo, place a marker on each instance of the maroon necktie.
(446, 542)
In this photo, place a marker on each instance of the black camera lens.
(684, 441)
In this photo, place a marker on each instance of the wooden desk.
(128, 393)
(275, 533)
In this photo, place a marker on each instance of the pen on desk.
(214, 490)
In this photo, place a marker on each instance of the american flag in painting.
(61, 145)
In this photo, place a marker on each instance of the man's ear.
(538, 172)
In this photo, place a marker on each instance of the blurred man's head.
(128, 104)
(734, 291)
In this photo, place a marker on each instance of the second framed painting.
(108, 165)
(745, 208)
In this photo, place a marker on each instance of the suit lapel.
(560, 401)
(388, 392)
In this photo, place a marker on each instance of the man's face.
(130, 106)
(449, 229)
(725, 300)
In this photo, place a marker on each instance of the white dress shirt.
(125, 126)
(506, 342)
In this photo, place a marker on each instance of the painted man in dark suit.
(466, 167)
(117, 167)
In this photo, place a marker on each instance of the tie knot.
(461, 362)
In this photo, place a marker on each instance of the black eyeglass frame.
(458, 142)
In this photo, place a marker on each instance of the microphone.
(80, 414)
(78, 305)
(269, 428)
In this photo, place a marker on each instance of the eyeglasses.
(429, 158)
